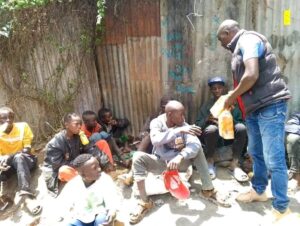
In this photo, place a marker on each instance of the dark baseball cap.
(215, 80)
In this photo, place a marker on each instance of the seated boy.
(292, 129)
(210, 132)
(90, 198)
(16, 156)
(96, 134)
(61, 151)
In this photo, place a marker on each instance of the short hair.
(80, 160)
(228, 25)
(88, 112)
(102, 112)
(4, 108)
(69, 116)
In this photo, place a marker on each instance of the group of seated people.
(167, 141)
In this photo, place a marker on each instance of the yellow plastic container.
(226, 129)
(83, 138)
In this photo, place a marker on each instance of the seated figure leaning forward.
(210, 132)
(16, 156)
(61, 151)
(176, 146)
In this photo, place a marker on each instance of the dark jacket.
(60, 151)
(269, 86)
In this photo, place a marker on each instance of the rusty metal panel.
(130, 78)
(129, 60)
(130, 18)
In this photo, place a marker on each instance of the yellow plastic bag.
(225, 121)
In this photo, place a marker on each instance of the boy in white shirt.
(90, 198)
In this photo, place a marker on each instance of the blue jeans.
(266, 146)
(100, 219)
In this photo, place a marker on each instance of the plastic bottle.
(83, 138)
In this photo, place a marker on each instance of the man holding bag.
(210, 131)
(264, 94)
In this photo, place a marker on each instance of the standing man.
(258, 81)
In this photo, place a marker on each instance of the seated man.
(15, 154)
(176, 146)
(292, 129)
(98, 136)
(61, 151)
(111, 125)
(91, 197)
(210, 132)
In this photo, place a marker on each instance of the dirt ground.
(169, 211)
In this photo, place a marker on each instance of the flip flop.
(239, 174)
(28, 193)
(217, 198)
(212, 171)
(32, 206)
(138, 214)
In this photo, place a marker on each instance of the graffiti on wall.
(177, 52)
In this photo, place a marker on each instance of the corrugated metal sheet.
(185, 53)
(129, 60)
(268, 18)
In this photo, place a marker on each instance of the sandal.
(212, 171)
(215, 197)
(239, 175)
(140, 211)
(32, 206)
(26, 193)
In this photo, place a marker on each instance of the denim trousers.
(99, 220)
(266, 145)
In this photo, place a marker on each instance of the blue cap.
(215, 80)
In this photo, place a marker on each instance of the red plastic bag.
(174, 185)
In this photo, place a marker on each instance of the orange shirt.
(97, 129)
(18, 138)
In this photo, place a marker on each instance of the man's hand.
(113, 122)
(4, 163)
(211, 119)
(229, 100)
(175, 162)
(26, 150)
(111, 215)
(193, 130)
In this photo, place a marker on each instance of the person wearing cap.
(260, 88)
(175, 147)
(210, 131)
(16, 155)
